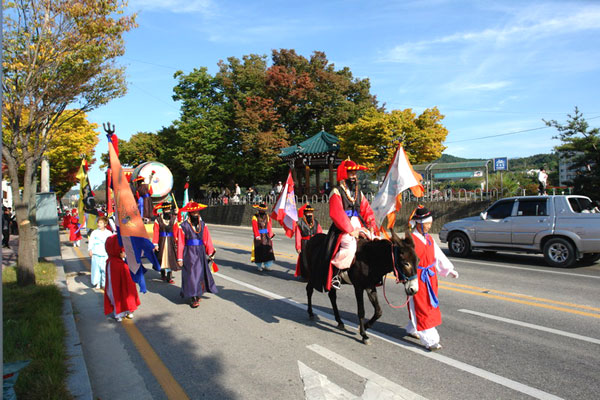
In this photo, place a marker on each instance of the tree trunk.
(25, 257)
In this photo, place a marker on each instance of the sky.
(492, 68)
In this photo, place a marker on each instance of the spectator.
(278, 188)
(5, 226)
(543, 181)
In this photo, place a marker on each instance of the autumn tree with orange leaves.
(57, 54)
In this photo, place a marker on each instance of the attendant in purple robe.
(194, 251)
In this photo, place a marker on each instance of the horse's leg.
(372, 293)
(309, 293)
(360, 302)
(333, 298)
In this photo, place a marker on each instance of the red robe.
(427, 316)
(337, 213)
(118, 281)
(74, 229)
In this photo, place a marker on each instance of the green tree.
(56, 54)
(581, 144)
(141, 147)
(242, 117)
(373, 139)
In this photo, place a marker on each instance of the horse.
(374, 259)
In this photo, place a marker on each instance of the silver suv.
(565, 229)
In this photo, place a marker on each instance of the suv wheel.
(559, 252)
(459, 245)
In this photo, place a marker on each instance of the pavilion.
(319, 152)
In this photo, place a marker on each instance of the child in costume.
(97, 250)
(120, 296)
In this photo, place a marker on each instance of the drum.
(162, 180)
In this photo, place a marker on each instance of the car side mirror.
(483, 215)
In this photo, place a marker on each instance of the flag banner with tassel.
(400, 176)
(285, 211)
(130, 227)
(87, 203)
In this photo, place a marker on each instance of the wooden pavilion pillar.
(307, 180)
(318, 180)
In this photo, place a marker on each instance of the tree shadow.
(200, 376)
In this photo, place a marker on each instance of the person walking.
(306, 228)
(262, 245)
(120, 296)
(163, 238)
(97, 251)
(194, 251)
(75, 229)
(6, 220)
(423, 307)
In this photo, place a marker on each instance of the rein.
(397, 274)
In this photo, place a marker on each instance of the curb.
(78, 380)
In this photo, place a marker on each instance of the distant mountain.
(448, 158)
(549, 161)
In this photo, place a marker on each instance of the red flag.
(285, 211)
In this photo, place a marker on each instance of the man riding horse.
(352, 217)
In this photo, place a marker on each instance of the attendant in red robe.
(306, 227)
(424, 310)
(120, 295)
(352, 217)
(262, 245)
(75, 231)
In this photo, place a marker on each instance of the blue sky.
(491, 67)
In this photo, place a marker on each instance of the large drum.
(162, 180)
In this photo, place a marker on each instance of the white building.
(6, 194)
(566, 172)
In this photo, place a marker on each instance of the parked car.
(565, 229)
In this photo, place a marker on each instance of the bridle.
(400, 276)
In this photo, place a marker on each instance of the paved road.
(512, 328)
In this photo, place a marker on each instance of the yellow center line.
(477, 290)
(530, 303)
(521, 295)
(160, 371)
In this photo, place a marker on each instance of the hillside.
(550, 161)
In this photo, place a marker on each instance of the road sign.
(501, 164)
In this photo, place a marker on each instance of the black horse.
(373, 260)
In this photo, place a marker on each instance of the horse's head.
(406, 262)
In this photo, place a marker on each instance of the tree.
(56, 54)
(372, 140)
(248, 111)
(70, 140)
(581, 145)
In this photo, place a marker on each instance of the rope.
(386, 299)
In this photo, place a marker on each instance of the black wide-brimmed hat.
(420, 213)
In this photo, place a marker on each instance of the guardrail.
(460, 194)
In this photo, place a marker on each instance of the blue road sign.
(501, 164)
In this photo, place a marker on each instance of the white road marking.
(318, 387)
(490, 376)
(532, 326)
(398, 391)
(454, 259)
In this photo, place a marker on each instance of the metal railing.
(460, 194)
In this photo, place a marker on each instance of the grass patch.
(34, 330)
